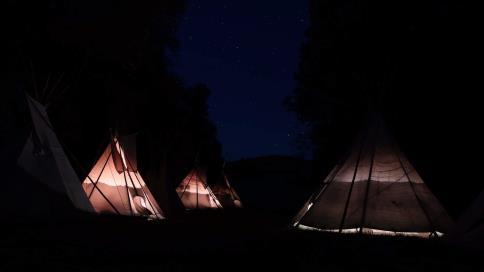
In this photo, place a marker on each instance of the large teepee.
(376, 191)
(43, 158)
(226, 194)
(469, 230)
(114, 184)
(195, 193)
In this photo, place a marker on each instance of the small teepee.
(195, 193)
(43, 158)
(226, 194)
(375, 191)
(114, 184)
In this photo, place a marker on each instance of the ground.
(214, 241)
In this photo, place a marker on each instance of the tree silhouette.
(408, 60)
(109, 59)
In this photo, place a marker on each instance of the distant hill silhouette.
(276, 184)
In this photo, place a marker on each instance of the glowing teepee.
(114, 184)
(195, 193)
(375, 191)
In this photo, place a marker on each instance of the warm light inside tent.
(195, 193)
(123, 156)
(113, 191)
(369, 231)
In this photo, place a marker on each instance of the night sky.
(246, 52)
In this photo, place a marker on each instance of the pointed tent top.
(375, 188)
(115, 186)
(44, 158)
(195, 193)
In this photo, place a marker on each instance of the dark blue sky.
(246, 52)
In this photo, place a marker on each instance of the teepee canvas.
(195, 193)
(114, 184)
(376, 191)
(43, 158)
(469, 229)
(226, 194)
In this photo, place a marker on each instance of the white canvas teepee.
(43, 157)
(226, 194)
(195, 193)
(375, 190)
(114, 184)
(469, 230)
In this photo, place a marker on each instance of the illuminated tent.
(114, 184)
(469, 230)
(195, 193)
(226, 194)
(374, 191)
(43, 158)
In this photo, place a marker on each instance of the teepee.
(469, 229)
(114, 184)
(43, 158)
(374, 191)
(195, 193)
(226, 194)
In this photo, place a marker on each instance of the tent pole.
(113, 149)
(51, 91)
(362, 144)
(142, 189)
(155, 211)
(97, 180)
(322, 188)
(127, 193)
(44, 90)
(397, 151)
(365, 203)
(196, 185)
(103, 195)
(186, 186)
(34, 81)
(74, 158)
